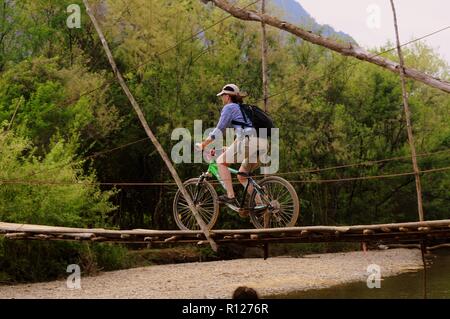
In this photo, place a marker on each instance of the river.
(407, 285)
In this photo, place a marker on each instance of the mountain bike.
(278, 205)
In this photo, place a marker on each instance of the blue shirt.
(230, 112)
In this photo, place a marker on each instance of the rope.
(53, 183)
(306, 171)
(371, 177)
(356, 62)
(369, 163)
(415, 40)
(86, 158)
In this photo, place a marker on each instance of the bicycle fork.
(197, 189)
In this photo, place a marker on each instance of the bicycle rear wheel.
(284, 201)
(207, 205)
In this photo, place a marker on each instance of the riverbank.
(218, 279)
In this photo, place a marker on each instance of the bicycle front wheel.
(205, 200)
(285, 205)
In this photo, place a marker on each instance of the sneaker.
(224, 199)
(259, 206)
(244, 212)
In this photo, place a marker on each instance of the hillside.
(295, 13)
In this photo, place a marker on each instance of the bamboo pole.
(408, 118)
(264, 59)
(411, 144)
(367, 236)
(147, 129)
(423, 250)
(68, 231)
(344, 49)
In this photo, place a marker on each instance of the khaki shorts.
(247, 151)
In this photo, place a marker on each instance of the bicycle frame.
(213, 170)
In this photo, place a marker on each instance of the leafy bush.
(69, 199)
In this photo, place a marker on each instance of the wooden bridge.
(412, 232)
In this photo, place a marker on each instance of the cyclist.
(246, 146)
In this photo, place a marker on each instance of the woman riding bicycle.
(246, 146)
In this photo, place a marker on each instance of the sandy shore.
(219, 279)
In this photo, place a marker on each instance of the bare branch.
(344, 49)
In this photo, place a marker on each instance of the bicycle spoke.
(209, 202)
(281, 220)
(284, 204)
(208, 212)
(186, 219)
(183, 205)
(204, 215)
(204, 191)
(288, 216)
(287, 208)
(184, 211)
(203, 195)
(269, 193)
(192, 222)
(275, 191)
(281, 192)
(286, 219)
(284, 196)
(287, 202)
(286, 212)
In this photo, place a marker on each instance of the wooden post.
(411, 144)
(147, 129)
(424, 262)
(264, 59)
(408, 118)
(266, 251)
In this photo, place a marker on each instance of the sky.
(360, 19)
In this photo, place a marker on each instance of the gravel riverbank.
(218, 279)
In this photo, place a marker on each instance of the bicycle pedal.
(243, 212)
(260, 207)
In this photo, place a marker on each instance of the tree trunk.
(264, 59)
(344, 49)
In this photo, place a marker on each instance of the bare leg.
(243, 180)
(225, 175)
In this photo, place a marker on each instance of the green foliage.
(70, 200)
(331, 110)
(22, 261)
(48, 99)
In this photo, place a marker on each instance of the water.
(407, 285)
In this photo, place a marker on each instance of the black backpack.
(258, 117)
